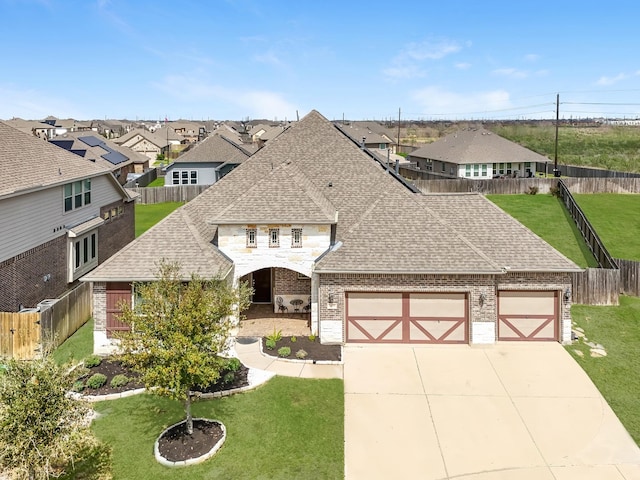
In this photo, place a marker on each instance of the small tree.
(42, 429)
(179, 331)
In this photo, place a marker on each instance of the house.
(314, 223)
(477, 153)
(97, 149)
(190, 131)
(60, 217)
(207, 162)
(261, 134)
(149, 143)
(34, 127)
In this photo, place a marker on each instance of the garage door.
(528, 315)
(406, 318)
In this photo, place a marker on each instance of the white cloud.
(256, 103)
(32, 104)
(605, 81)
(463, 66)
(408, 62)
(511, 72)
(437, 100)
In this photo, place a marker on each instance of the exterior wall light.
(482, 299)
(567, 294)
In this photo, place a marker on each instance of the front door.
(261, 283)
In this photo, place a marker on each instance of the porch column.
(315, 285)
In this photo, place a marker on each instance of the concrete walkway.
(523, 411)
(250, 355)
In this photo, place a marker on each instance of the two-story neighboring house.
(315, 224)
(477, 153)
(208, 161)
(60, 216)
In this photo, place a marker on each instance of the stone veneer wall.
(101, 344)
(483, 318)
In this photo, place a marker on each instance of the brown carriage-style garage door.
(406, 317)
(528, 315)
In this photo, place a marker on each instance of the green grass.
(287, 429)
(546, 217)
(616, 375)
(148, 215)
(616, 219)
(613, 148)
(158, 182)
(77, 346)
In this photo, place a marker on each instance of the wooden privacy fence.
(143, 180)
(22, 334)
(629, 276)
(67, 315)
(177, 193)
(596, 286)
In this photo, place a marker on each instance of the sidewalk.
(249, 353)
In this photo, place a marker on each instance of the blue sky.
(237, 59)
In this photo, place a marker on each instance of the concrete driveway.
(521, 411)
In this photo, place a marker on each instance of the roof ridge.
(243, 150)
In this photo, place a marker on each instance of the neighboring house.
(367, 137)
(477, 153)
(261, 134)
(33, 127)
(60, 216)
(150, 144)
(191, 132)
(316, 224)
(95, 148)
(207, 162)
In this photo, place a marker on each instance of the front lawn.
(617, 329)
(77, 347)
(289, 428)
(147, 215)
(158, 182)
(616, 220)
(546, 217)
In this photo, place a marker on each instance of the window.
(252, 238)
(296, 237)
(476, 170)
(444, 167)
(508, 169)
(383, 146)
(184, 177)
(484, 169)
(77, 194)
(85, 252)
(274, 237)
(467, 170)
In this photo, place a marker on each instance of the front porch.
(260, 321)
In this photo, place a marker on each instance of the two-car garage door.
(407, 317)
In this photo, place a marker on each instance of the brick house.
(60, 216)
(316, 224)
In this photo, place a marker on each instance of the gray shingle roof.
(312, 171)
(96, 153)
(477, 145)
(217, 149)
(29, 163)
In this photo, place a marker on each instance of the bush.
(270, 343)
(96, 381)
(92, 361)
(294, 339)
(228, 377)
(276, 336)
(119, 381)
(532, 190)
(284, 351)
(301, 354)
(81, 372)
(233, 364)
(555, 191)
(78, 386)
(312, 338)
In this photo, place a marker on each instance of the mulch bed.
(315, 350)
(110, 368)
(177, 445)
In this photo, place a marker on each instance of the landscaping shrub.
(312, 338)
(228, 377)
(81, 372)
(233, 364)
(533, 190)
(284, 351)
(276, 336)
(301, 354)
(555, 191)
(270, 343)
(96, 381)
(78, 386)
(294, 339)
(92, 361)
(119, 381)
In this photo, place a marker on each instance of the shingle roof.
(217, 148)
(94, 146)
(155, 138)
(29, 163)
(313, 171)
(477, 145)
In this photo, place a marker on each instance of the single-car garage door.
(527, 315)
(406, 317)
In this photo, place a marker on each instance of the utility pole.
(398, 144)
(556, 172)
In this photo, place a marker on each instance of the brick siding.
(286, 282)
(116, 232)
